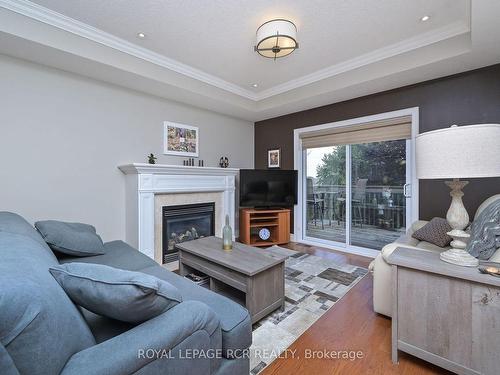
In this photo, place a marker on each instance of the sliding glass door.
(378, 202)
(356, 194)
(326, 193)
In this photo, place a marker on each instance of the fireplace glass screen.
(185, 223)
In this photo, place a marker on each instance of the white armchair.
(382, 298)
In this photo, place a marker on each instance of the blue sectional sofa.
(43, 332)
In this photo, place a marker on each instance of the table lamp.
(471, 151)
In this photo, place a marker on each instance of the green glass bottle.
(227, 236)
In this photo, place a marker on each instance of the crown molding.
(407, 45)
(60, 21)
(65, 23)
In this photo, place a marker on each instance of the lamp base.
(459, 257)
(457, 215)
(458, 218)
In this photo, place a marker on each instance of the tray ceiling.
(218, 36)
(204, 49)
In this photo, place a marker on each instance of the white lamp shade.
(276, 33)
(459, 152)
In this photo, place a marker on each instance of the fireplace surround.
(149, 187)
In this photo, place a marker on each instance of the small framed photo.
(180, 139)
(274, 158)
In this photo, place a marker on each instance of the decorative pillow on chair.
(122, 295)
(485, 232)
(75, 239)
(434, 232)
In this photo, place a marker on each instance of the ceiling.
(218, 36)
(201, 52)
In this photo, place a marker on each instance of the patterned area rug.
(312, 286)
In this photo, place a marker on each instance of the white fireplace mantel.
(143, 181)
(143, 168)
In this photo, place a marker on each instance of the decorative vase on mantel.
(227, 236)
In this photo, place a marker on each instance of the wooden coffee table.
(251, 276)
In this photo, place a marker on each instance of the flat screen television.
(268, 188)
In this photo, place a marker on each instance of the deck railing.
(379, 205)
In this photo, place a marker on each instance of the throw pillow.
(434, 232)
(74, 239)
(485, 232)
(128, 296)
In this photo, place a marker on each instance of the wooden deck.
(368, 236)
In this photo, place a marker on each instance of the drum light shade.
(276, 38)
(471, 151)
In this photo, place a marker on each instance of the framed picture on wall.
(180, 139)
(274, 158)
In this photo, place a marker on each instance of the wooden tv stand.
(253, 220)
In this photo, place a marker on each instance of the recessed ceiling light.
(255, 85)
(141, 35)
(425, 18)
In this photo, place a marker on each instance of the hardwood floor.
(350, 325)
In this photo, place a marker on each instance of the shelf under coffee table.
(251, 276)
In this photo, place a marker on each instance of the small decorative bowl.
(490, 270)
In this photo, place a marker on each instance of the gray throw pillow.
(128, 296)
(75, 239)
(434, 232)
(485, 232)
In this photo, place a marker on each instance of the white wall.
(62, 137)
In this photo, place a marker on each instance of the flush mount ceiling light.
(141, 35)
(425, 18)
(276, 38)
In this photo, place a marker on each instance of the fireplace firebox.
(185, 223)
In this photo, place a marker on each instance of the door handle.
(407, 190)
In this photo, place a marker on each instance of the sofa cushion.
(102, 327)
(435, 232)
(416, 225)
(234, 319)
(407, 240)
(75, 239)
(6, 364)
(35, 309)
(117, 254)
(127, 296)
(13, 223)
(430, 246)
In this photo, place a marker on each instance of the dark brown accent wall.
(462, 99)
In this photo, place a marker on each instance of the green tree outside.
(382, 163)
